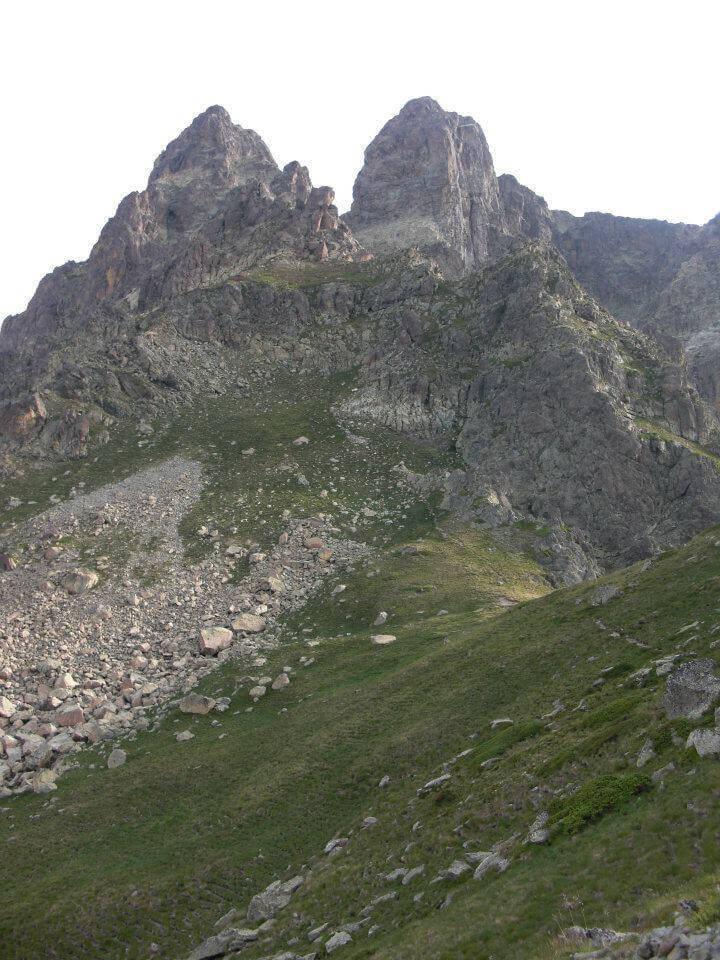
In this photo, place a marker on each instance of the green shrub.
(587, 748)
(709, 911)
(596, 798)
(500, 742)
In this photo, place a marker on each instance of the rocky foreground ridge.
(442, 290)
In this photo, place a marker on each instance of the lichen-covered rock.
(705, 741)
(273, 898)
(79, 581)
(691, 690)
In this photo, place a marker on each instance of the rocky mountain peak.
(428, 181)
(213, 146)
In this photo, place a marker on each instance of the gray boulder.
(273, 898)
(706, 742)
(691, 690)
(493, 861)
(223, 943)
(339, 939)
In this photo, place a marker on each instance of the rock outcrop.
(216, 204)
(662, 277)
(428, 181)
(552, 406)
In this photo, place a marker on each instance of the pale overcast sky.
(607, 106)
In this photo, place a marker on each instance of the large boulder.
(273, 898)
(214, 639)
(248, 623)
(705, 741)
(196, 703)
(691, 690)
(79, 581)
(221, 944)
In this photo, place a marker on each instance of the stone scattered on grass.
(456, 869)
(604, 594)
(44, 781)
(196, 703)
(412, 874)
(538, 832)
(339, 939)
(382, 639)
(492, 861)
(229, 941)
(336, 844)
(502, 722)
(705, 741)
(116, 759)
(273, 898)
(433, 784)
(647, 753)
(383, 898)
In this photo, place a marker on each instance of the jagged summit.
(213, 145)
(216, 204)
(428, 181)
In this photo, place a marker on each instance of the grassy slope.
(158, 849)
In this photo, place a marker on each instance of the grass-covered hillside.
(141, 861)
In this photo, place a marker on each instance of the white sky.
(597, 106)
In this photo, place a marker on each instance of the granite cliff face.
(216, 203)
(558, 411)
(622, 261)
(448, 301)
(428, 182)
(663, 277)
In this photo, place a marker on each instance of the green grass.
(649, 428)
(304, 275)
(157, 850)
(244, 496)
